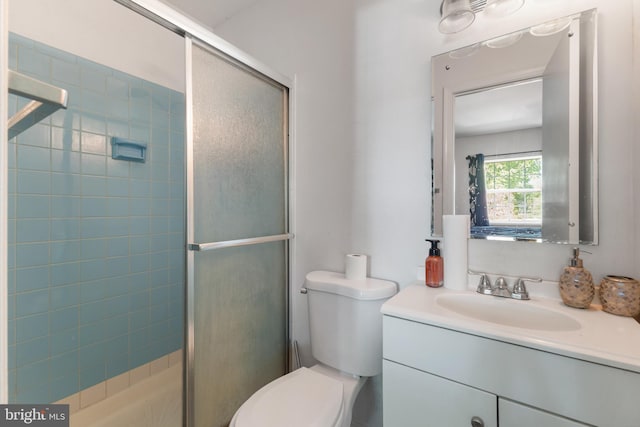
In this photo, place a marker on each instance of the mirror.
(515, 134)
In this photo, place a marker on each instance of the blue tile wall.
(96, 262)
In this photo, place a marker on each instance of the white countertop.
(603, 338)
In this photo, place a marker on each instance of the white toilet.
(346, 338)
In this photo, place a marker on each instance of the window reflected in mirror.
(505, 195)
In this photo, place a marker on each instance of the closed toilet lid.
(301, 398)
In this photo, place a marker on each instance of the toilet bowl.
(307, 397)
(345, 328)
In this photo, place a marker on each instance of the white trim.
(4, 197)
(182, 23)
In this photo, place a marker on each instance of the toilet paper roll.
(454, 251)
(355, 266)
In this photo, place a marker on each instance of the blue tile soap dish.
(123, 149)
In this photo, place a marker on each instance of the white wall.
(363, 77)
(105, 32)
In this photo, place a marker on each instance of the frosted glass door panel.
(239, 144)
(237, 295)
(240, 326)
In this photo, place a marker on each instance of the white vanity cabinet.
(443, 377)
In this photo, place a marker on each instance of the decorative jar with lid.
(620, 295)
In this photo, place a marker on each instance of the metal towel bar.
(45, 100)
(200, 247)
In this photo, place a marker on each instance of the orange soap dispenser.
(434, 266)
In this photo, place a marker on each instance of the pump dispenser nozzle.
(576, 261)
(435, 250)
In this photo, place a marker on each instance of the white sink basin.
(507, 312)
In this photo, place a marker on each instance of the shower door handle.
(201, 247)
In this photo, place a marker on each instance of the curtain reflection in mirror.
(477, 191)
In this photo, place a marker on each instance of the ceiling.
(210, 13)
(502, 109)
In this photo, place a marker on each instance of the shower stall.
(147, 227)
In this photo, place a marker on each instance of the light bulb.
(456, 16)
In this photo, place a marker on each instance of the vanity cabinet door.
(413, 398)
(514, 414)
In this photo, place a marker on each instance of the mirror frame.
(443, 132)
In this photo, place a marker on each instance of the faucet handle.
(520, 290)
(484, 287)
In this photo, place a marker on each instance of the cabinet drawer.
(414, 398)
(579, 390)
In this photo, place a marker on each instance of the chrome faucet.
(501, 288)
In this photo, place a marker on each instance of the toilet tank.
(345, 323)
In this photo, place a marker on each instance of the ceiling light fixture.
(460, 14)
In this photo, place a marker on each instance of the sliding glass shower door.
(237, 227)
